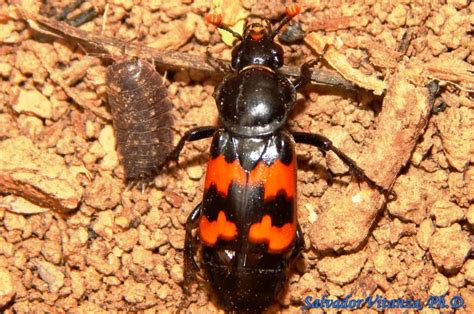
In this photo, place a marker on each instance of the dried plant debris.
(120, 250)
(38, 176)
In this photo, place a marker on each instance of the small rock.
(195, 172)
(77, 284)
(468, 270)
(455, 131)
(424, 234)
(143, 257)
(413, 206)
(446, 213)
(110, 161)
(33, 102)
(449, 248)
(7, 288)
(79, 237)
(134, 292)
(180, 32)
(386, 264)
(398, 15)
(458, 280)
(127, 240)
(468, 297)
(112, 281)
(176, 273)
(107, 139)
(92, 279)
(99, 264)
(90, 307)
(27, 62)
(440, 285)
(470, 215)
(399, 229)
(19, 205)
(32, 247)
(151, 240)
(104, 223)
(343, 269)
(163, 292)
(50, 274)
(5, 69)
(176, 240)
(103, 193)
(14, 221)
(160, 273)
(51, 251)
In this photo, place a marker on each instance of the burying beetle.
(247, 222)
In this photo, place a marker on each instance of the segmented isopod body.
(142, 117)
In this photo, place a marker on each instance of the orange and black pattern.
(251, 197)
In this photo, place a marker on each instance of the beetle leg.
(194, 134)
(325, 144)
(299, 244)
(305, 76)
(190, 265)
(217, 64)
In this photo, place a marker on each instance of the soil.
(74, 238)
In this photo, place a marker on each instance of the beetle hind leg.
(190, 265)
(324, 144)
(299, 245)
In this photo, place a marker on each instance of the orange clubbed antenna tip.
(214, 19)
(293, 10)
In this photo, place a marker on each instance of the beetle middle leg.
(305, 76)
(195, 134)
(325, 145)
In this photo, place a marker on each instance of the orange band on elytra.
(211, 231)
(278, 239)
(222, 174)
(276, 177)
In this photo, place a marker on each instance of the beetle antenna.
(216, 19)
(291, 11)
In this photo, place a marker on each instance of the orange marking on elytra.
(222, 174)
(277, 238)
(276, 177)
(211, 231)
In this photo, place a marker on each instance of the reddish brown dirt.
(121, 250)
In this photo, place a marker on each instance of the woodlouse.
(142, 118)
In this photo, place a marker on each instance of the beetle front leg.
(217, 64)
(325, 145)
(305, 76)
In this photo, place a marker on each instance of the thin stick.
(164, 59)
